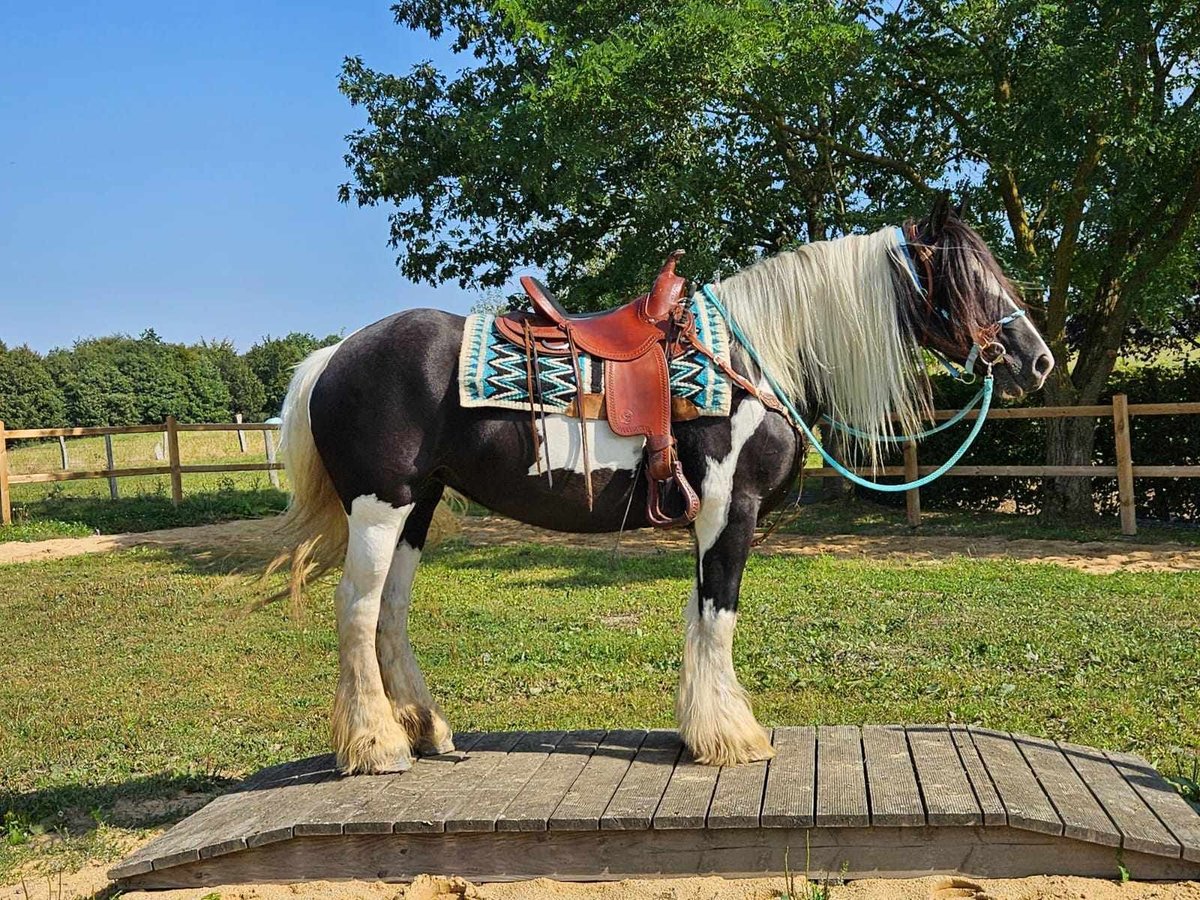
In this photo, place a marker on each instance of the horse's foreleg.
(412, 704)
(713, 709)
(366, 736)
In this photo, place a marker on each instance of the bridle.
(986, 346)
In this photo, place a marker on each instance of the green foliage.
(246, 392)
(272, 360)
(1156, 440)
(29, 398)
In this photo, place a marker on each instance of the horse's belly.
(494, 465)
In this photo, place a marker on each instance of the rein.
(979, 351)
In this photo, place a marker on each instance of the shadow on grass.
(78, 809)
(151, 512)
(587, 568)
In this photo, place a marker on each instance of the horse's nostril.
(1043, 364)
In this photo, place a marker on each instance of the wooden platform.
(884, 800)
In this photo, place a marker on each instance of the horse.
(373, 432)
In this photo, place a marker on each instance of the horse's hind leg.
(365, 735)
(412, 704)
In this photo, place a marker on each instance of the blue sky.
(175, 165)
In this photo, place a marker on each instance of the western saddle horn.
(636, 343)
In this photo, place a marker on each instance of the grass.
(856, 516)
(77, 508)
(134, 680)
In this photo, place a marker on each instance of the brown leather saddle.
(636, 342)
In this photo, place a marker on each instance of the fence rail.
(1121, 411)
(172, 467)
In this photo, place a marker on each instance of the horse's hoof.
(429, 748)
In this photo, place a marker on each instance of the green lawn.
(145, 674)
(82, 507)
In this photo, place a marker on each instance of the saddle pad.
(491, 371)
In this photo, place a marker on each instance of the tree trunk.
(1069, 442)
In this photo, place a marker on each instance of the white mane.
(827, 323)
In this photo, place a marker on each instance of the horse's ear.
(941, 212)
(960, 211)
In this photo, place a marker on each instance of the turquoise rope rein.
(985, 394)
(901, 439)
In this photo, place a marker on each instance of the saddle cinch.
(636, 343)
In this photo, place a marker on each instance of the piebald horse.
(373, 432)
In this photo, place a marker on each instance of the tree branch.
(1064, 253)
(884, 162)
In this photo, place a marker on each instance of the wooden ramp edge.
(875, 801)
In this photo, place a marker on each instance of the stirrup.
(657, 515)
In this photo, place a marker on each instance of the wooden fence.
(1121, 411)
(172, 467)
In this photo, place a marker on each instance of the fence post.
(62, 451)
(173, 458)
(108, 454)
(237, 417)
(270, 442)
(1125, 495)
(5, 496)
(912, 499)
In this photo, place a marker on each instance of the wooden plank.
(269, 444)
(330, 804)
(791, 789)
(231, 467)
(1181, 819)
(1120, 414)
(108, 458)
(1140, 828)
(1081, 815)
(382, 813)
(91, 431)
(1025, 803)
(686, 798)
(945, 785)
(912, 499)
(981, 782)
(991, 471)
(633, 804)
(1164, 409)
(614, 855)
(78, 474)
(584, 803)
(479, 810)
(1166, 471)
(228, 426)
(841, 780)
(737, 800)
(531, 808)
(428, 812)
(174, 460)
(891, 779)
(214, 828)
(5, 493)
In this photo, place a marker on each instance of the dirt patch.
(256, 539)
(91, 881)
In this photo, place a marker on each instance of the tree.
(589, 139)
(29, 398)
(273, 359)
(246, 392)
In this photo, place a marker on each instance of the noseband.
(986, 346)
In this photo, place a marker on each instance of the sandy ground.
(91, 882)
(1093, 556)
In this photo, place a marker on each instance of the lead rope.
(850, 476)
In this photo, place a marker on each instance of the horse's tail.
(314, 528)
